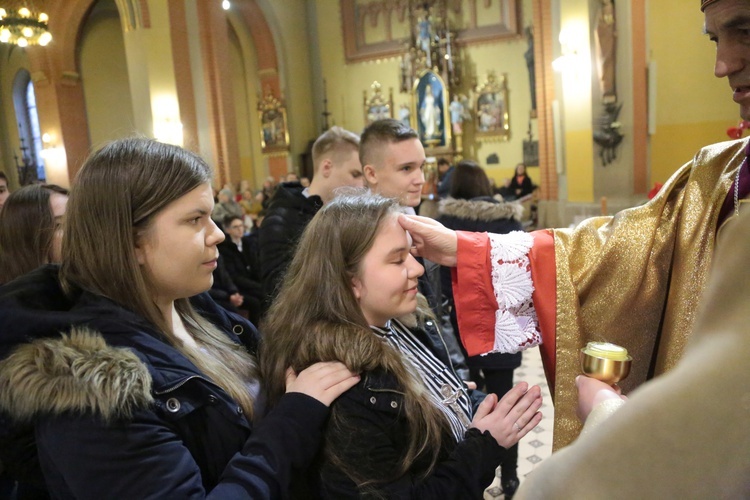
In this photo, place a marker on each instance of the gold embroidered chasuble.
(635, 279)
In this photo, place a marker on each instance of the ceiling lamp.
(22, 26)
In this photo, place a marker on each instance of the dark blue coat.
(118, 412)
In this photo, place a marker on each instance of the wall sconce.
(573, 40)
(166, 116)
(168, 131)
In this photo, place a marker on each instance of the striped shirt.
(446, 391)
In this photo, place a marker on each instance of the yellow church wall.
(505, 57)
(242, 108)
(579, 153)
(290, 24)
(674, 145)
(104, 74)
(245, 91)
(576, 102)
(346, 82)
(693, 108)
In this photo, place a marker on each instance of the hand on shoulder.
(323, 381)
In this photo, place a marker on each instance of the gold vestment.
(635, 279)
(687, 433)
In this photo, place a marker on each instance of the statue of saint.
(424, 38)
(457, 115)
(529, 56)
(429, 114)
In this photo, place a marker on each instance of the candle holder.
(607, 362)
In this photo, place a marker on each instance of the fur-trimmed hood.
(481, 209)
(77, 372)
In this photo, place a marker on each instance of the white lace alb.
(516, 325)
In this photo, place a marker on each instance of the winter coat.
(243, 266)
(521, 189)
(287, 216)
(114, 411)
(481, 214)
(223, 286)
(371, 432)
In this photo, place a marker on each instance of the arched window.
(24, 102)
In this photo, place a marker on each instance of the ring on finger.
(518, 427)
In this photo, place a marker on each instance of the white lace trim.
(516, 324)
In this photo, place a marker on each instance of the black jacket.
(287, 216)
(482, 214)
(519, 190)
(371, 432)
(117, 412)
(244, 266)
(223, 286)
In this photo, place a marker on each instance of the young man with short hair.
(336, 163)
(393, 161)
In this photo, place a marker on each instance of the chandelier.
(22, 26)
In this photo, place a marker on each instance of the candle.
(607, 351)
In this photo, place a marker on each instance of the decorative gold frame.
(274, 131)
(377, 107)
(356, 15)
(491, 116)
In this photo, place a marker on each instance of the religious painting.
(430, 108)
(491, 109)
(274, 134)
(376, 106)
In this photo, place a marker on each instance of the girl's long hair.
(117, 193)
(27, 228)
(316, 317)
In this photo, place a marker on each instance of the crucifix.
(451, 400)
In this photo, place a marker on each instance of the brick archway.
(55, 72)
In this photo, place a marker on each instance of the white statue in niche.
(429, 114)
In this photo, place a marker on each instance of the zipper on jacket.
(183, 382)
(389, 391)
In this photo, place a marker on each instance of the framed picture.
(491, 108)
(377, 107)
(274, 134)
(431, 110)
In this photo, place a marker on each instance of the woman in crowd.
(409, 429)
(31, 229)
(471, 207)
(145, 390)
(520, 184)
